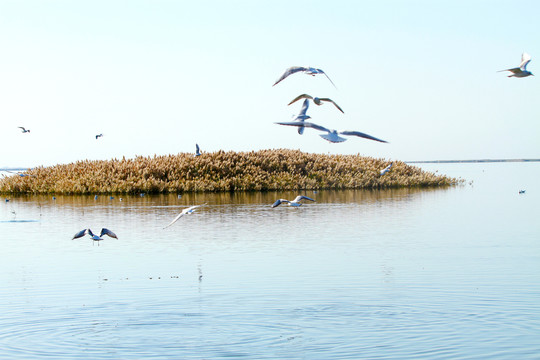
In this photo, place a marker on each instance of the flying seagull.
(302, 116)
(98, 136)
(24, 130)
(197, 150)
(386, 169)
(295, 203)
(93, 236)
(332, 135)
(521, 71)
(316, 100)
(186, 211)
(306, 70)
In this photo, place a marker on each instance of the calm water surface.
(401, 274)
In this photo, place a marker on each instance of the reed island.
(221, 171)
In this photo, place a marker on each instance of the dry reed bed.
(221, 171)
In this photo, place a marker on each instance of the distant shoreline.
(470, 161)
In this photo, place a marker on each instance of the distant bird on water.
(295, 203)
(332, 135)
(386, 169)
(316, 100)
(98, 136)
(93, 236)
(186, 211)
(306, 70)
(521, 71)
(21, 174)
(24, 130)
(197, 150)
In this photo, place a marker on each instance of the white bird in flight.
(302, 116)
(316, 100)
(24, 130)
(306, 70)
(93, 236)
(295, 203)
(521, 71)
(332, 135)
(186, 211)
(386, 169)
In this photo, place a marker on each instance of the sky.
(155, 77)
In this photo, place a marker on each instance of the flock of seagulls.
(330, 135)
(189, 210)
(300, 120)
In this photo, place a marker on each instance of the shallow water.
(436, 274)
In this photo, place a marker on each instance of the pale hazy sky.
(156, 77)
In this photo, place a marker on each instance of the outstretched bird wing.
(333, 102)
(188, 210)
(107, 232)
(303, 96)
(386, 169)
(305, 124)
(80, 234)
(513, 70)
(304, 108)
(361, 134)
(322, 72)
(290, 71)
(279, 202)
(302, 197)
(525, 59)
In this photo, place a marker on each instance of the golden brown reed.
(263, 170)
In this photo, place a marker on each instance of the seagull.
(98, 136)
(295, 203)
(521, 71)
(386, 169)
(186, 211)
(316, 100)
(332, 135)
(302, 116)
(24, 130)
(306, 70)
(197, 150)
(93, 236)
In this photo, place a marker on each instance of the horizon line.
(470, 161)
